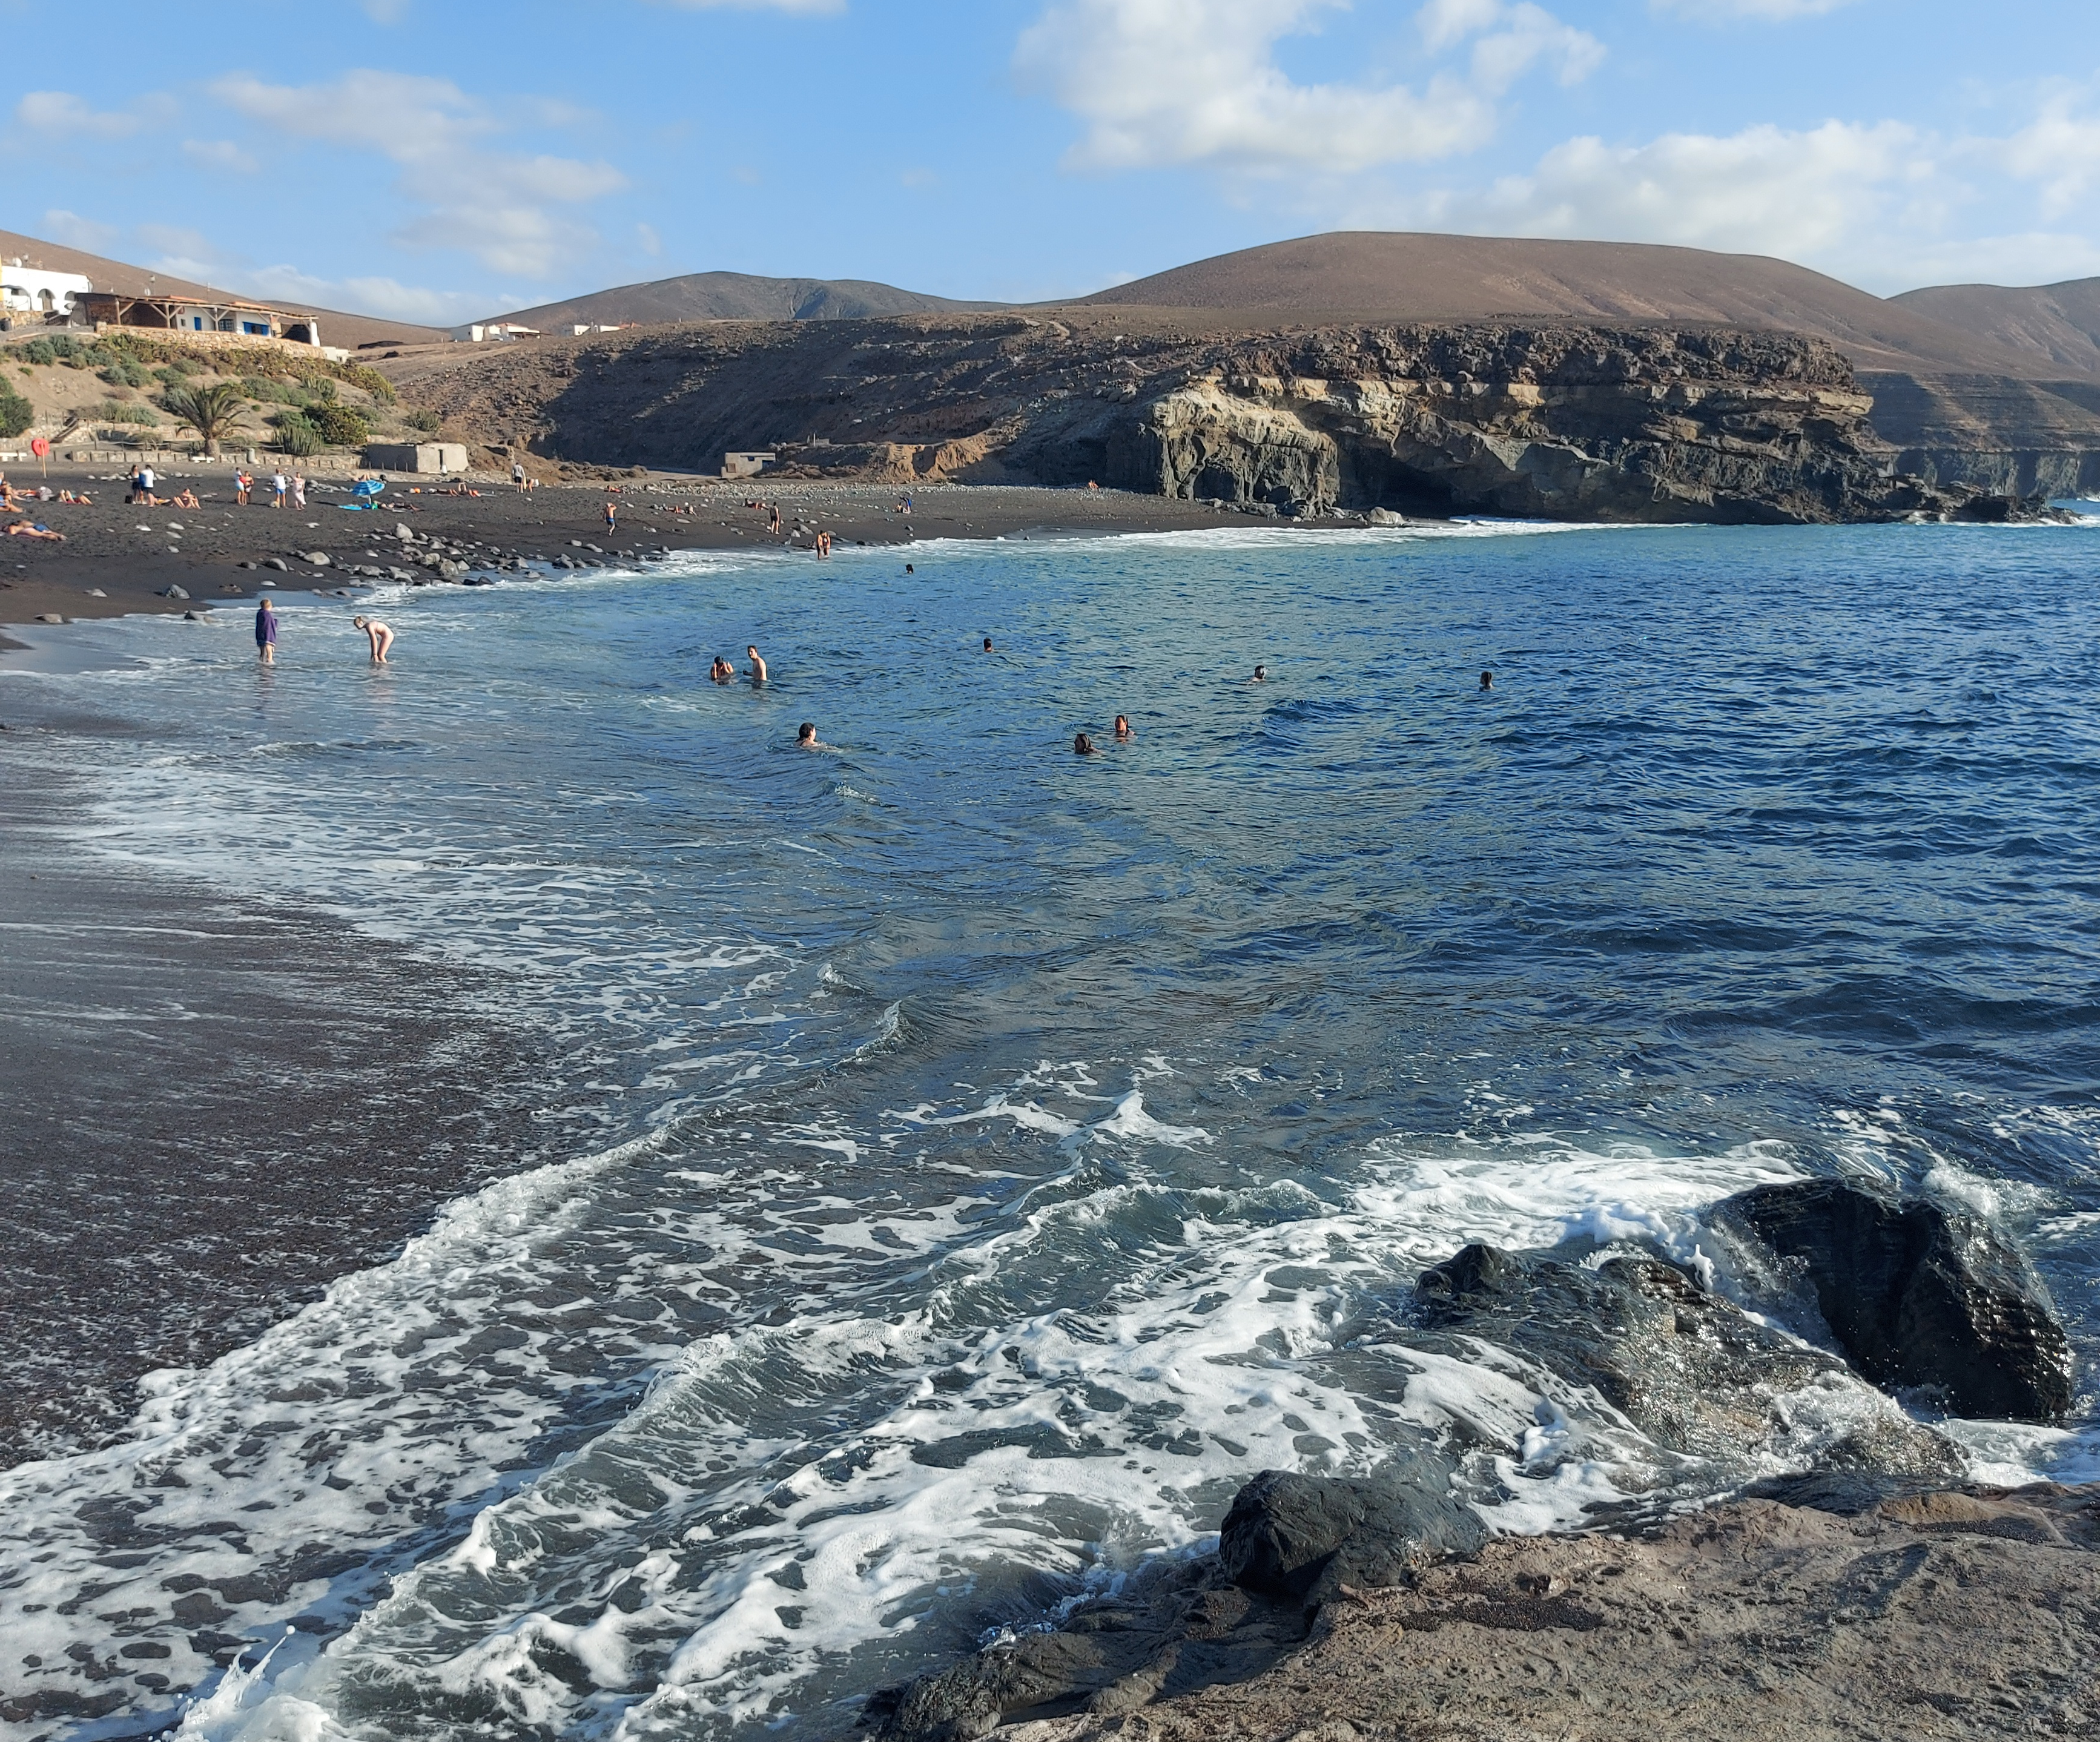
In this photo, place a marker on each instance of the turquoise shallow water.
(1004, 1153)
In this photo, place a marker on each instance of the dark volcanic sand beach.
(212, 1111)
(132, 556)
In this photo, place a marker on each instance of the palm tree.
(212, 412)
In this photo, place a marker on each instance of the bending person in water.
(378, 634)
(1083, 746)
(758, 665)
(721, 671)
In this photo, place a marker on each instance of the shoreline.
(165, 1230)
(120, 560)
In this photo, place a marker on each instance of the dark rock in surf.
(1695, 1373)
(1918, 1295)
(1305, 1536)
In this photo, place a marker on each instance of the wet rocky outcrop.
(1553, 420)
(1918, 1295)
(1309, 1538)
(1696, 1375)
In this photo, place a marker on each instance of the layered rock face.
(1574, 423)
(1558, 421)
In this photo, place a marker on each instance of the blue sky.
(440, 159)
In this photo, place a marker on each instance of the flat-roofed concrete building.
(31, 290)
(416, 456)
(747, 464)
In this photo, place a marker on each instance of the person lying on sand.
(80, 497)
(24, 529)
(187, 499)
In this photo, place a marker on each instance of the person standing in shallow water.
(758, 665)
(1123, 734)
(1083, 746)
(378, 634)
(266, 631)
(1487, 682)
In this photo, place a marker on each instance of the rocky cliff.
(1563, 421)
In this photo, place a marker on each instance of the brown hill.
(337, 327)
(2056, 326)
(736, 296)
(1405, 276)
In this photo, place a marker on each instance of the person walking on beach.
(378, 634)
(266, 631)
(243, 483)
(299, 489)
(280, 483)
(611, 515)
(757, 666)
(518, 476)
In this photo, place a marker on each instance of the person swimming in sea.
(1123, 734)
(378, 634)
(806, 739)
(1260, 675)
(1083, 746)
(1487, 680)
(987, 646)
(721, 671)
(758, 665)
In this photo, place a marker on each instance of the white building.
(31, 290)
(477, 332)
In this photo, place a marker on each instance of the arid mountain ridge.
(1993, 389)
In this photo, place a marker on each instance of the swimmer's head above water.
(1122, 731)
(1083, 746)
(1261, 674)
(806, 735)
(1487, 679)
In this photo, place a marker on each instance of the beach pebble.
(47, 616)
(277, 563)
(318, 558)
(174, 593)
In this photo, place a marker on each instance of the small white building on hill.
(31, 290)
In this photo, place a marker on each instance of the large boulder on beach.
(1289, 1535)
(1918, 1295)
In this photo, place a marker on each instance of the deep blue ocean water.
(1000, 1154)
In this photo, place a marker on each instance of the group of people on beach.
(377, 636)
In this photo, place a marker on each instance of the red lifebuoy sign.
(39, 446)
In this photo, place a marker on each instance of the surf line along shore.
(1874, 1593)
(119, 559)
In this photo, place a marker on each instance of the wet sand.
(212, 1112)
(118, 559)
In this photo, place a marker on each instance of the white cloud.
(496, 205)
(646, 239)
(221, 154)
(76, 231)
(2059, 150)
(1725, 11)
(54, 115)
(1181, 81)
(1765, 190)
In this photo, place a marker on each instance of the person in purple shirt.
(266, 631)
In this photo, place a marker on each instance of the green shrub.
(177, 370)
(123, 373)
(341, 425)
(296, 436)
(364, 375)
(123, 411)
(41, 352)
(16, 413)
(423, 418)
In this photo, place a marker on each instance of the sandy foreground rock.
(1952, 1614)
